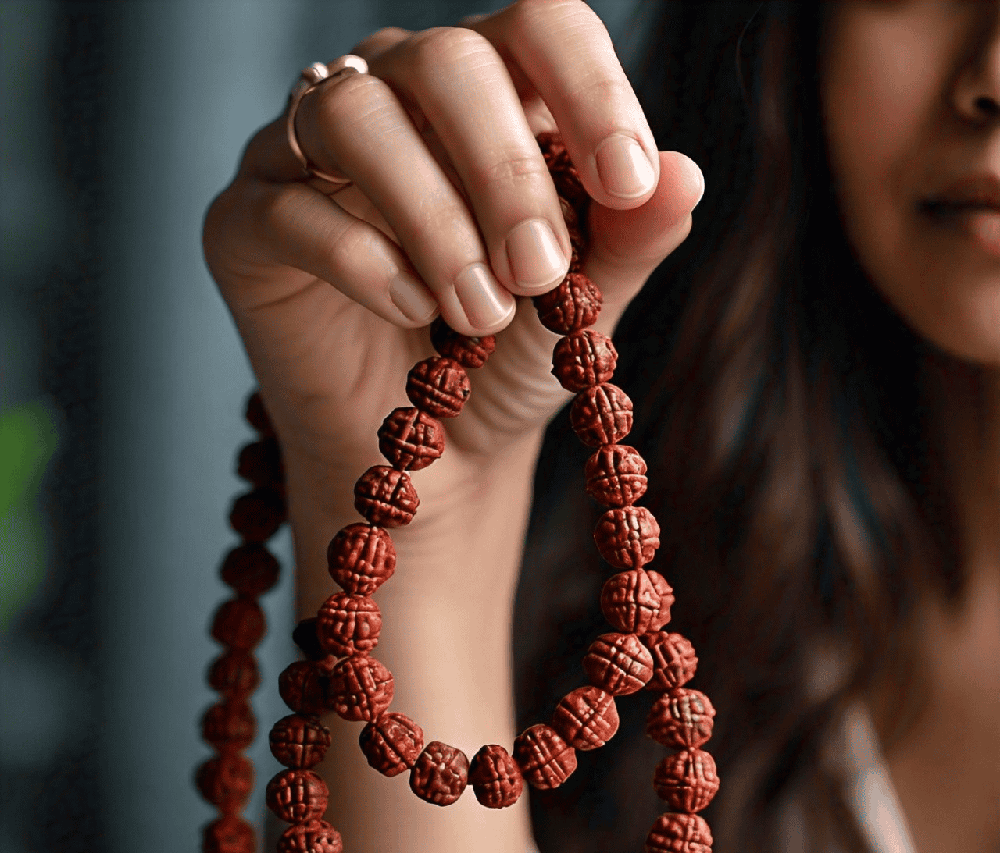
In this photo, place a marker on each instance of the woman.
(816, 372)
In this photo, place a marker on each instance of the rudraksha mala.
(339, 672)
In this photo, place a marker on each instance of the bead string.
(340, 674)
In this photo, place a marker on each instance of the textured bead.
(385, 496)
(297, 796)
(250, 569)
(586, 718)
(570, 307)
(226, 781)
(260, 463)
(495, 778)
(674, 660)
(564, 173)
(315, 836)
(256, 415)
(470, 352)
(305, 637)
(616, 475)
(679, 833)
(391, 743)
(347, 624)
(629, 601)
(257, 515)
(439, 774)
(361, 558)
(681, 719)
(234, 673)
(439, 386)
(618, 664)
(239, 623)
(687, 781)
(627, 536)
(229, 834)
(229, 725)
(360, 688)
(299, 742)
(665, 592)
(601, 415)
(582, 359)
(545, 759)
(410, 439)
(302, 686)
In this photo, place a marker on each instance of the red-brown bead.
(361, 688)
(616, 475)
(439, 774)
(303, 687)
(564, 173)
(228, 834)
(601, 414)
(234, 674)
(679, 833)
(347, 624)
(674, 660)
(438, 386)
(570, 307)
(304, 636)
(582, 359)
(260, 463)
(239, 623)
(629, 601)
(385, 496)
(299, 742)
(470, 352)
(495, 778)
(361, 558)
(545, 759)
(410, 439)
(391, 743)
(257, 515)
(586, 718)
(627, 536)
(687, 780)
(250, 569)
(229, 725)
(226, 781)
(681, 718)
(316, 836)
(297, 796)
(665, 592)
(618, 664)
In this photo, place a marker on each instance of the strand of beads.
(249, 569)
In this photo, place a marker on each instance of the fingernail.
(413, 298)
(482, 298)
(623, 167)
(536, 259)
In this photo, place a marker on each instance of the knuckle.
(519, 170)
(348, 243)
(448, 46)
(343, 100)
(531, 14)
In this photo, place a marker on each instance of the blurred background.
(122, 383)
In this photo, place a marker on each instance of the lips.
(977, 192)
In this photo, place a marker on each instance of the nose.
(978, 91)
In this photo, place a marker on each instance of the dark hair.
(778, 403)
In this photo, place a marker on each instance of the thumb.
(627, 245)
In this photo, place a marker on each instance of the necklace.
(339, 672)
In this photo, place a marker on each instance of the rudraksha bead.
(570, 307)
(360, 688)
(250, 569)
(439, 774)
(260, 463)
(391, 743)
(618, 663)
(495, 778)
(257, 515)
(229, 725)
(586, 718)
(226, 781)
(627, 536)
(228, 834)
(410, 439)
(679, 833)
(629, 601)
(564, 173)
(299, 742)
(616, 475)
(687, 781)
(665, 592)
(303, 687)
(674, 660)
(385, 496)
(234, 673)
(361, 558)
(316, 836)
(348, 624)
(256, 415)
(681, 718)
(439, 386)
(305, 637)
(470, 352)
(239, 623)
(582, 359)
(297, 796)
(601, 415)
(545, 759)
